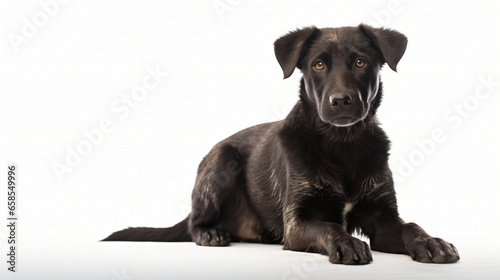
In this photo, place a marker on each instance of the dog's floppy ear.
(290, 48)
(391, 44)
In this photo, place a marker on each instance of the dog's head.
(340, 67)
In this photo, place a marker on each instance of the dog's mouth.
(344, 121)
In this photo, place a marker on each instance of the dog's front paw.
(350, 250)
(432, 250)
(213, 237)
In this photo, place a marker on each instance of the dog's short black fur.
(312, 179)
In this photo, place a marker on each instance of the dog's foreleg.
(389, 233)
(326, 238)
(424, 248)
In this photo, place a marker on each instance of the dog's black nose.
(340, 101)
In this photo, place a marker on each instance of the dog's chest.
(339, 196)
(347, 208)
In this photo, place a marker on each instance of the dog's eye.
(319, 65)
(360, 63)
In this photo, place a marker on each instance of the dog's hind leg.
(219, 174)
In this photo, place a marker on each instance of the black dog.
(311, 180)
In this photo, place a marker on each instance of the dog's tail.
(179, 232)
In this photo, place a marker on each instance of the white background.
(62, 78)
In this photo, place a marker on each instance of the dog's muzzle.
(346, 109)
